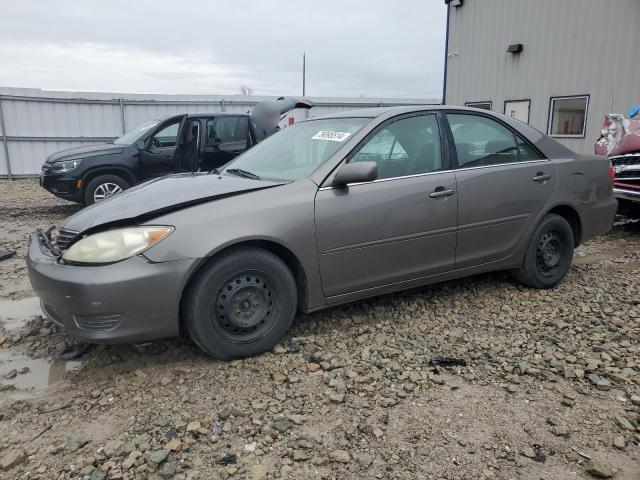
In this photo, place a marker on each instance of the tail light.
(612, 174)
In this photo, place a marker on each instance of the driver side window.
(166, 137)
(409, 146)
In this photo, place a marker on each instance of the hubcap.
(105, 190)
(549, 252)
(244, 306)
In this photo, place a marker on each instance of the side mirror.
(355, 173)
(141, 145)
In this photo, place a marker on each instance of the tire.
(549, 253)
(104, 183)
(217, 310)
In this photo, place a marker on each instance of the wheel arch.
(571, 215)
(123, 172)
(282, 252)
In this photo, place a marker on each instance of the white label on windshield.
(332, 136)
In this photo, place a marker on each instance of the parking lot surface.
(470, 379)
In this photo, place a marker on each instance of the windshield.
(296, 151)
(134, 134)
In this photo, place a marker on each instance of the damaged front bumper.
(129, 301)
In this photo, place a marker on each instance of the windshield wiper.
(242, 173)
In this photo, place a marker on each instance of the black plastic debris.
(448, 361)
(539, 457)
(5, 254)
(228, 459)
(313, 359)
(71, 352)
(386, 419)
(291, 346)
(171, 433)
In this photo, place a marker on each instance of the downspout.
(446, 55)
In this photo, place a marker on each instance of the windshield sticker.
(331, 136)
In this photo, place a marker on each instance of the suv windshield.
(134, 134)
(296, 151)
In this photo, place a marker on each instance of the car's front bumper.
(628, 194)
(61, 185)
(130, 301)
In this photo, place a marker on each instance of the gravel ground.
(549, 386)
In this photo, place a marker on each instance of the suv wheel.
(549, 253)
(103, 186)
(240, 305)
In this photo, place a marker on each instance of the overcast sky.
(354, 47)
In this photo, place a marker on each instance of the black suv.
(180, 143)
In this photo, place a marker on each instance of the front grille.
(631, 159)
(64, 237)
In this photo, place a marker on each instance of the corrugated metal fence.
(36, 123)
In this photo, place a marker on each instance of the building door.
(518, 109)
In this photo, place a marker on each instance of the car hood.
(85, 151)
(161, 196)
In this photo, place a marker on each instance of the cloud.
(373, 47)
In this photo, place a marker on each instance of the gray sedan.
(331, 210)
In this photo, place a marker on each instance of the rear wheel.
(104, 186)
(240, 305)
(549, 253)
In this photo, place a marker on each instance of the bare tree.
(246, 90)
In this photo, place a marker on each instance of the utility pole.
(304, 73)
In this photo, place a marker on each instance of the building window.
(568, 116)
(482, 105)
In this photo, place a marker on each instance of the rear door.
(399, 227)
(226, 137)
(503, 182)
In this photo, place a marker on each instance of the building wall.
(570, 47)
(38, 123)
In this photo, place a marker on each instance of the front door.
(226, 137)
(399, 227)
(156, 159)
(518, 109)
(503, 183)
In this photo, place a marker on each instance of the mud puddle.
(22, 376)
(15, 313)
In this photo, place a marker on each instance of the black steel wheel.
(240, 304)
(549, 253)
(245, 306)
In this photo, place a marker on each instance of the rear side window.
(481, 141)
(227, 129)
(409, 146)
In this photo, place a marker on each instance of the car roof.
(200, 115)
(395, 110)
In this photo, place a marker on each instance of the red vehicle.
(620, 141)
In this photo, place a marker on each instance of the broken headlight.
(115, 245)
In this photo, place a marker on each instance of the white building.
(558, 65)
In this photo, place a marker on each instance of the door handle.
(541, 177)
(441, 192)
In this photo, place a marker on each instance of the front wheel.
(241, 304)
(549, 253)
(102, 187)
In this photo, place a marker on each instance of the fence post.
(4, 142)
(124, 125)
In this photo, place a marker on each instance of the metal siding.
(80, 114)
(571, 47)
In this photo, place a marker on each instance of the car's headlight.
(67, 166)
(115, 245)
